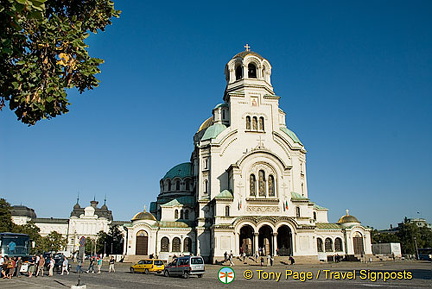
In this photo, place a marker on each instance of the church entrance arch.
(265, 235)
(358, 244)
(284, 241)
(141, 245)
(246, 240)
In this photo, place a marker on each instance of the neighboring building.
(245, 187)
(85, 222)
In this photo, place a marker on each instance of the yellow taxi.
(148, 265)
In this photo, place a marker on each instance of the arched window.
(298, 212)
(186, 214)
(176, 245)
(271, 186)
(328, 245)
(314, 216)
(248, 123)
(239, 72)
(319, 245)
(227, 211)
(252, 181)
(261, 183)
(223, 113)
(169, 185)
(177, 185)
(261, 123)
(187, 185)
(165, 244)
(254, 123)
(338, 245)
(176, 214)
(181, 214)
(205, 186)
(187, 245)
(252, 73)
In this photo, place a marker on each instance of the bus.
(425, 254)
(14, 244)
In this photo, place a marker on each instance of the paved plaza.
(401, 274)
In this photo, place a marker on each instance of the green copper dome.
(179, 171)
(291, 134)
(213, 131)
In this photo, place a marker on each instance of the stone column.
(255, 244)
(274, 243)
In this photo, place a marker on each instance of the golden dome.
(208, 122)
(348, 219)
(143, 216)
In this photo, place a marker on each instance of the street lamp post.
(416, 248)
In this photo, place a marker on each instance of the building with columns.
(245, 186)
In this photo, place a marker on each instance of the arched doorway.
(358, 244)
(246, 240)
(141, 247)
(265, 235)
(284, 241)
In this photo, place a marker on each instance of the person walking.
(65, 266)
(18, 267)
(51, 267)
(99, 264)
(41, 265)
(91, 265)
(111, 265)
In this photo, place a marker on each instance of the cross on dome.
(347, 212)
(247, 47)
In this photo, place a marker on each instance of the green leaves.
(43, 53)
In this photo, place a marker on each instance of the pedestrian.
(37, 258)
(1, 265)
(79, 266)
(18, 267)
(268, 259)
(226, 256)
(244, 256)
(91, 265)
(262, 261)
(65, 266)
(111, 265)
(11, 267)
(31, 266)
(51, 267)
(99, 264)
(230, 259)
(256, 256)
(271, 260)
(41, 265)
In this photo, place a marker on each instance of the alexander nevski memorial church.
(245, 187)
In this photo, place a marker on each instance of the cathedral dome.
(243, 54)
(348, 219)
(143, 216)
(179, 171)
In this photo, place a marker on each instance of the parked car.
(185, 267)
(148, 265)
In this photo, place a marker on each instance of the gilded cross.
(247, 47)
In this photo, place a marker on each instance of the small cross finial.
(247, 47)
(145, 208)
(347, 212)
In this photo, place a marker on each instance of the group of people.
(8, 266)
(11, 266)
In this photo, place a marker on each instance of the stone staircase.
(278, 260)
(134, 258)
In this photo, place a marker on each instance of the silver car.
(185, 266)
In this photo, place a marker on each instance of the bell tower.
(248, 70)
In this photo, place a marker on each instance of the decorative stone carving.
(263, 209)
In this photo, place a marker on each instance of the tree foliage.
(42, 53)
(53, 242)
(104, 241)
(6, 224)
(383, 237)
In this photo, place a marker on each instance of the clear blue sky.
(355, 79)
